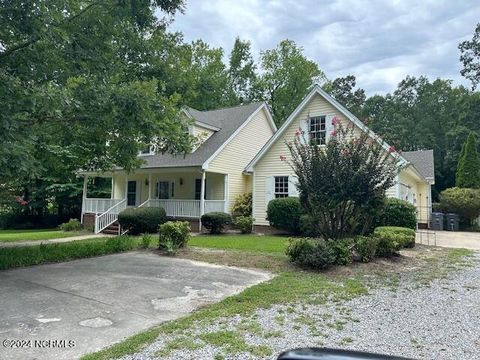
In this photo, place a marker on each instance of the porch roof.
(227, 120)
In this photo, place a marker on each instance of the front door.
(132, 193)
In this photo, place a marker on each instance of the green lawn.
(252, 243)
(35, 234)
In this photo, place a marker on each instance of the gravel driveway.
(436, 321)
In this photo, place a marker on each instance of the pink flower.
(20, 200)
(344, 152)
(297, 132)
(333, 133)
(283, 158)
(392, 149)
(335, 121)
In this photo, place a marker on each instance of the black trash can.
(437, 221)
(453, 222)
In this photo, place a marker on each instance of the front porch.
(184, 194)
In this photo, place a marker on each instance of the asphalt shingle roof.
(228, 120)
(422, 160)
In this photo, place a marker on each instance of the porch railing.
(98, 205)
(214, 205)
(185, 208)
(104, 220)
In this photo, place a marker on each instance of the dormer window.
(147, 150)
(318, 130)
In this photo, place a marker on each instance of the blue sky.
(379, 41)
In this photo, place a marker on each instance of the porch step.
(113, 229)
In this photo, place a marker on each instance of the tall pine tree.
(468, 168)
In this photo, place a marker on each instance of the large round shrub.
(142, 220)
(311, 253)
(216, 221)
(398, 213)
(284, 214)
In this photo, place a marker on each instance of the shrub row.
(48, 253)
(287, 214)
(316, 253)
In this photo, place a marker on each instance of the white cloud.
(380, 42)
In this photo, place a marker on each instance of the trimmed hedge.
(366, 247)
(397, 212)
(216, 221)
(142, 220)
(71, 225)
(404, 236)
(284, 214)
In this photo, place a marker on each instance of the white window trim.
(275, 193)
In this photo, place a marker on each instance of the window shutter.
(292, 186)
(329, 126)
(304, 130)
(269, 190)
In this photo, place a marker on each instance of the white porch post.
(202, 200)
(225, 193)
(149, 186)
(84, 196)
(112, 194)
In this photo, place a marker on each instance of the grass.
(50, 253)
(251, 243)
(35, 234)
(289, 286)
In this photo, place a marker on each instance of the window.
(198, 189)
(132, 193)
(281, 186)
(318, 130)
(147, 150)
(162, 190)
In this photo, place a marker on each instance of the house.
(187, 186)
(242, 151)
(273, 177)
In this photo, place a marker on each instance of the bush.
(141, 220)
(174, 235)
(390, 240)
(146, 240)
(465, 202)
(366, 247)
(343, 251)
(311, 253)
(404, 235)
(284, 214)
(71, 225)
(308, 226)
(244, 224)
(216, 221)
(242, 205)
(398, 213)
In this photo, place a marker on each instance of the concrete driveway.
(62, 311)
(451, 239)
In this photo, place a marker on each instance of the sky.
(378, 41)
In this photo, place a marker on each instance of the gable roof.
(225, 123)
(318, 90)
(422, 160)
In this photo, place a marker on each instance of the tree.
(470, 58)
(342, 185)
(241, 72)
(468, 168)
(75, 92)
(465, 202)
(285, 78)
(342, 89)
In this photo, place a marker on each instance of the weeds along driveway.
(92, 303)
